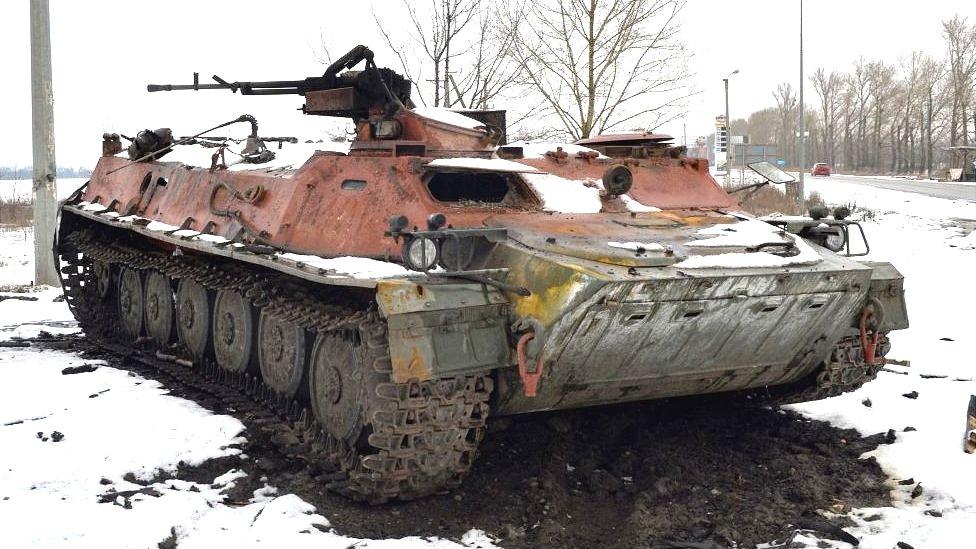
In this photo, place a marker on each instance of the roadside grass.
(16, 212)
(769, 200)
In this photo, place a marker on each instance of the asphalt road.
(951, 191)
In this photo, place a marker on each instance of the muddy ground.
(637, 475)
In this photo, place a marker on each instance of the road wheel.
(233, 331)
(131, 299)
(281, 354)
(193, 318)
(336, 385)
(101, 277)
(160, 323)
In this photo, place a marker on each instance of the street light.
(799, 191)
(728, 129)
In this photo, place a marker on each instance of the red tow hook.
(530, 380)
(869, 342)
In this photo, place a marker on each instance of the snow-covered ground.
(22, 189)
(931, 241)
(69, 441)
(114, 423)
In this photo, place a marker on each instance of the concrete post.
(45, 166)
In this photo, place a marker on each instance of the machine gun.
(352, 94)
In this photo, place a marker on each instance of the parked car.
(820, 168)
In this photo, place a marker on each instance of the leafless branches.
(885, 117)
(599, 65)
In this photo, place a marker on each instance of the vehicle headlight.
(457, 253)
(420, 254)
(835, 239)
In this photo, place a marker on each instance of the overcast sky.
(105, 52)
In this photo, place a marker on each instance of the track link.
(420, 438)
(845, 371)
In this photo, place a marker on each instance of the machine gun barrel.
(271, 87)
(351, 93)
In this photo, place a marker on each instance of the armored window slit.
(353, 185)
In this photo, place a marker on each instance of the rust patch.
(413, 365)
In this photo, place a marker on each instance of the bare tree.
(786, 103)
(601, 64)
(829, 88)
(960, 40)
(434, 31)
(490, 69)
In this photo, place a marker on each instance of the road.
(951, 191)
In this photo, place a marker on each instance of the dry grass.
(16, 212)
(768, 200)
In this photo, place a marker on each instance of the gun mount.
(352, 94)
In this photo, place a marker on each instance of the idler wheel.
(193, 317)
(281, 354)
(101, 278)
(130, 301)
(233, 331)
(336, 386)
(160, 315)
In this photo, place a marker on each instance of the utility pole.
(798, 193)
(45, 166)
(728, 131)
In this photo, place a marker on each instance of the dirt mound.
(634, 475)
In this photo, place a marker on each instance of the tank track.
(844, 371)
(424, 434)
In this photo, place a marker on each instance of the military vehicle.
(396, 293)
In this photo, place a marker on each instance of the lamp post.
(798, 193)
(728, 131)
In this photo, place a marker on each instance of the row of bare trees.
(882, 117)
(562, 68)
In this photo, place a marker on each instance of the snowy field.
(22, 189)
(68, 442)
(931, 241)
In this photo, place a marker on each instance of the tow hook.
(530, 374)
(873, 313)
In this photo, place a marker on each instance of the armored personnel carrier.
(395, 293)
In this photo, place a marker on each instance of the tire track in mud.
(631, 475)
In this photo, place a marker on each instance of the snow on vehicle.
(396, 294)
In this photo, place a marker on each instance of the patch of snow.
(91, 206)
(637, 246)
(212, 238)
(750, 260)
(17, 255)
(564, 195)
(446, 116)
(745, 233)
(483, 164)
(355, 267)
(161, 227)
(634, 206)
(26, 319)
(186, 233)
(539, 149)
